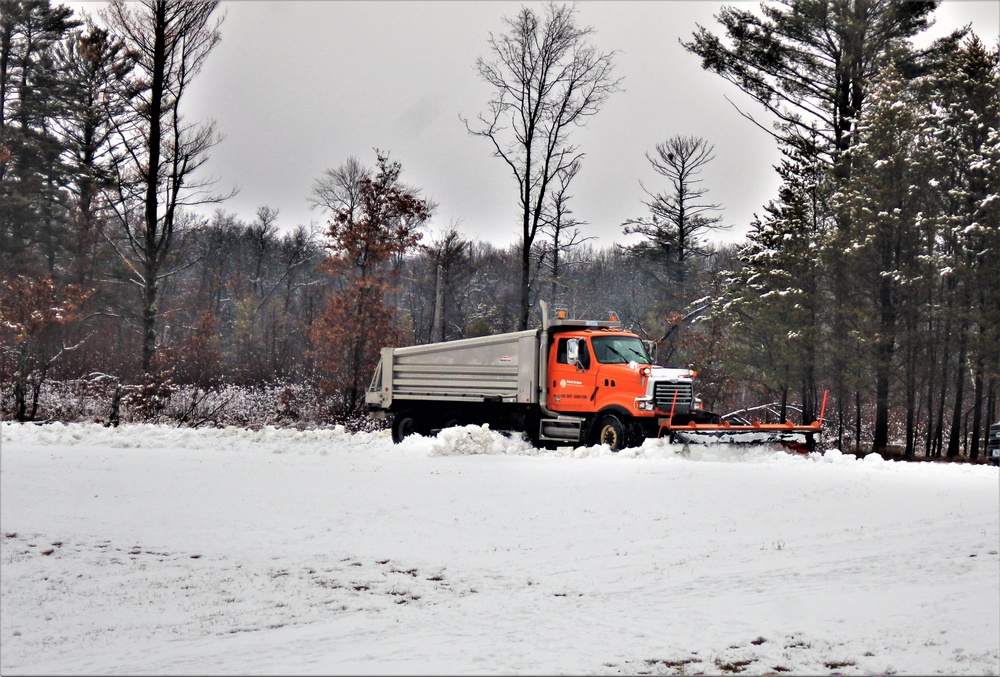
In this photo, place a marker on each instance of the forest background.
(871, 274)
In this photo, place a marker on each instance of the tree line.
(870, 276)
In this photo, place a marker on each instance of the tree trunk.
(977, 412)
(884, 351)
(809, 411)
(911, 405)
(151, 242)
(857, 420)
(148, 320)
(956, 418)
(21, 389)
(880, 437)
(437, 331)
(36, 390)
(840, 422)
(938, 441)
(357, 357)
(522, 322)
(990, 405)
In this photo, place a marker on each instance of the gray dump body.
(502, 368)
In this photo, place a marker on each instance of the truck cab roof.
(566, 325)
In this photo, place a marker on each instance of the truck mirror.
(573, 351)
(651, 350)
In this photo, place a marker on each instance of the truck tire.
(404, 424)
(611, 431)
(452, 419)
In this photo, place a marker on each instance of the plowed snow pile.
(156, 550)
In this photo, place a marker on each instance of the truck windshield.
(619, 350)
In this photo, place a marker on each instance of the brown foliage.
(148, 400)
(349, 338)
(197, 359)
(364, 238)
(383, 224)
(39, 322)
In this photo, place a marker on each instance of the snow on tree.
(775, 300)
(880, 244)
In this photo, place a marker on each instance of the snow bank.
(154, 549)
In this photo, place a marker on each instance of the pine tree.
(33, 211)
(91, 66)
(680, 218)
(158, 151)
(963, 155)
(810, 63)
(774, 301)
(881, 202)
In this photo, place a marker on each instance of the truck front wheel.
(404, 424)
(611, 431)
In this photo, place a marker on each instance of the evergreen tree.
(774, 301)
(32, 207)
(680, 218)
(810, 63)
(159, 151)
(963, 155)
(881, 201)
(91, 67)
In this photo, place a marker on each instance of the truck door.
(571, 382)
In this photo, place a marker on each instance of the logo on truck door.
(563, 383)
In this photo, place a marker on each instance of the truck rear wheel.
(404, 424)
(611, 431)
(452, 419)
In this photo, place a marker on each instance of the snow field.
(155, 550)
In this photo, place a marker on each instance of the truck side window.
(584, 353)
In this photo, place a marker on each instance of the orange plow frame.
(786, 434)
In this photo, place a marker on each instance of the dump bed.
(502, 368)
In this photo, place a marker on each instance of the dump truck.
(568, 382)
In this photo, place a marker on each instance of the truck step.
(560, 429)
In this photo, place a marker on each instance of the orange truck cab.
(605, 374)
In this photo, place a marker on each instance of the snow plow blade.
(798, 438)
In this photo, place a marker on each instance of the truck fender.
(623, 416)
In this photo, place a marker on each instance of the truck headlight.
(642, 404)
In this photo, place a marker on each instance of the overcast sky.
(298, 87)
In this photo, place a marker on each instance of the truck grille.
(663, 395)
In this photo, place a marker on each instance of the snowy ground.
(156, 550)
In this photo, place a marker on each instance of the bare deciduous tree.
(339, 188)
(547, 79)
(564, 231)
